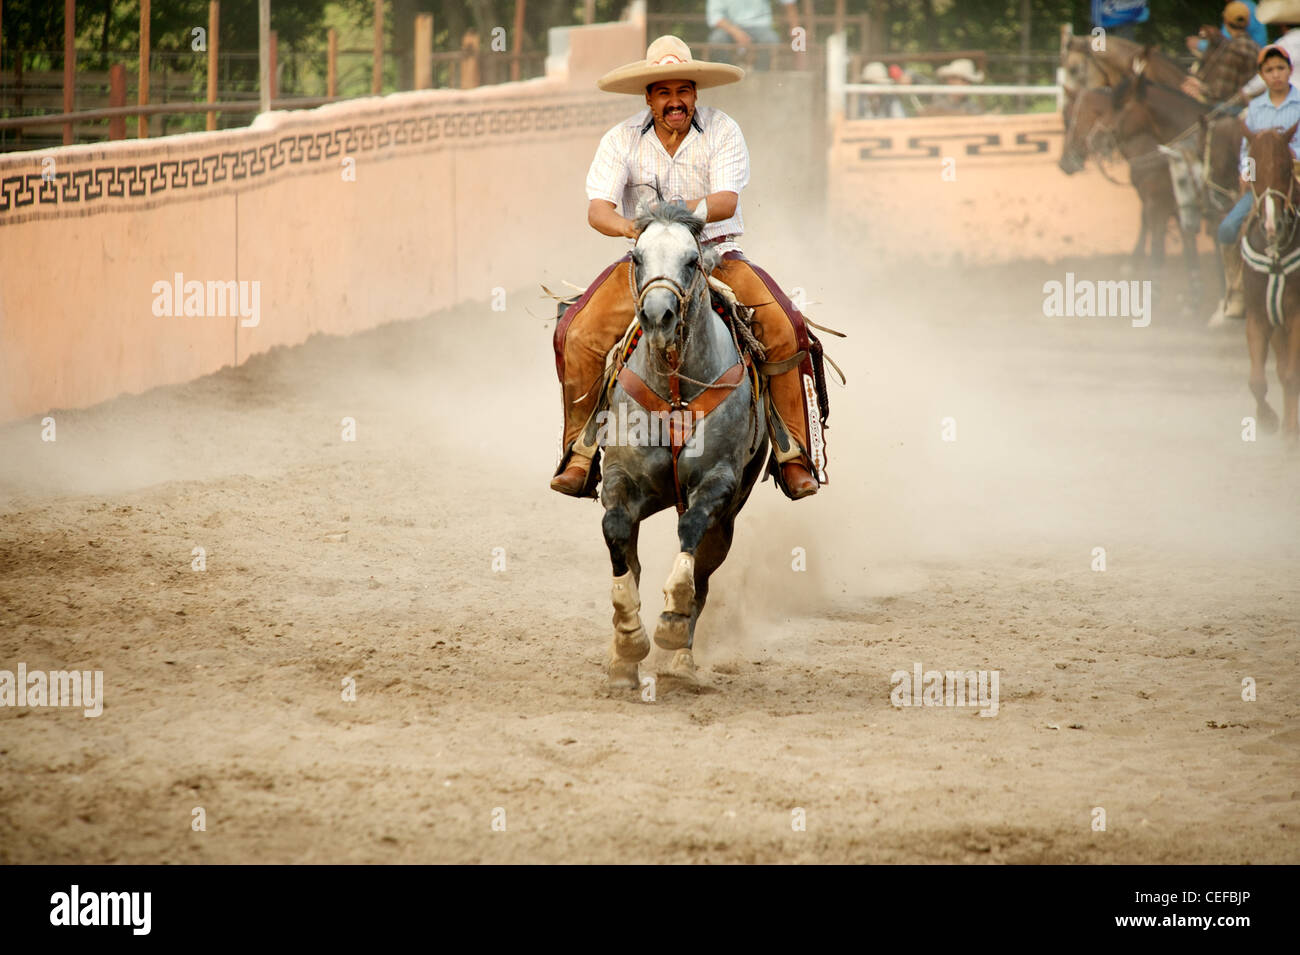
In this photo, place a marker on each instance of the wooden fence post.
(423, 51)
(117, 97)
(69, 64)
(143, 124)
(214, 27)
(377, 72)
(332, 65)
(469, 44)
(518, 41)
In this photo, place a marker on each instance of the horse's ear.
(1288, 134)
(702, 210)
(642, 208)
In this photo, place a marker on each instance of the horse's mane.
(1126, 85)
(674, 213)
(669, 213)
(1120, 53)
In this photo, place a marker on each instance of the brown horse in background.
(1097, 129)
(1271, 249)
(1086, 68)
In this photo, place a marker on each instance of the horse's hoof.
(1267, 420)
(632, 646)
(683, 668)
(623, 674)
(674, 631)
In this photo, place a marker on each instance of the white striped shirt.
(712, 158)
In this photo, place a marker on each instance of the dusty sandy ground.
(480, 690)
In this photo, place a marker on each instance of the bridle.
(708, 398)
(1290, 216)
(685, 296)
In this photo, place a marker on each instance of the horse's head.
(1088, 129)
(670, 269)
(1273, 182)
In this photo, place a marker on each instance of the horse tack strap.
(771, 368)
(1277, 270)
(681, 427)
(699, 406)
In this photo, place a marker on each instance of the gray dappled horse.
(685, 351)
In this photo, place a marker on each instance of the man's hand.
(1192, 87)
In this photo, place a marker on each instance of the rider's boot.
(796, 473)
(1233, 303)
(573, 479)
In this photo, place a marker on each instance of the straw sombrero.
(1278, 11)
(668, 58)
(963, 68)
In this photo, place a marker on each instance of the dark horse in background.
(1092, 62)
(687, 359)
(1202, 151)
(1097, 127)
(1270, 244)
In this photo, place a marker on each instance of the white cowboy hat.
(963, 68)
(875, 73)
(1278, 11)
(668, 58)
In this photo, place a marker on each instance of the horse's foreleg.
(1140, 249)
(1192, 259)
(708, 558)
(1257, 334)
(1159, 216)
(630, 644)
(1288, 358)
(676, 623)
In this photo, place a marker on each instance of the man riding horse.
(1229, 64)
(677, 149)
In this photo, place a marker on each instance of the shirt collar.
(1292, 96)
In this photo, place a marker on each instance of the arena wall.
(456, 194)
(973, 189)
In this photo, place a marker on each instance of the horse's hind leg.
(630, 644)
(677, 622)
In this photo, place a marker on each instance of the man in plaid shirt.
(697, 154)
(1228, 66)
